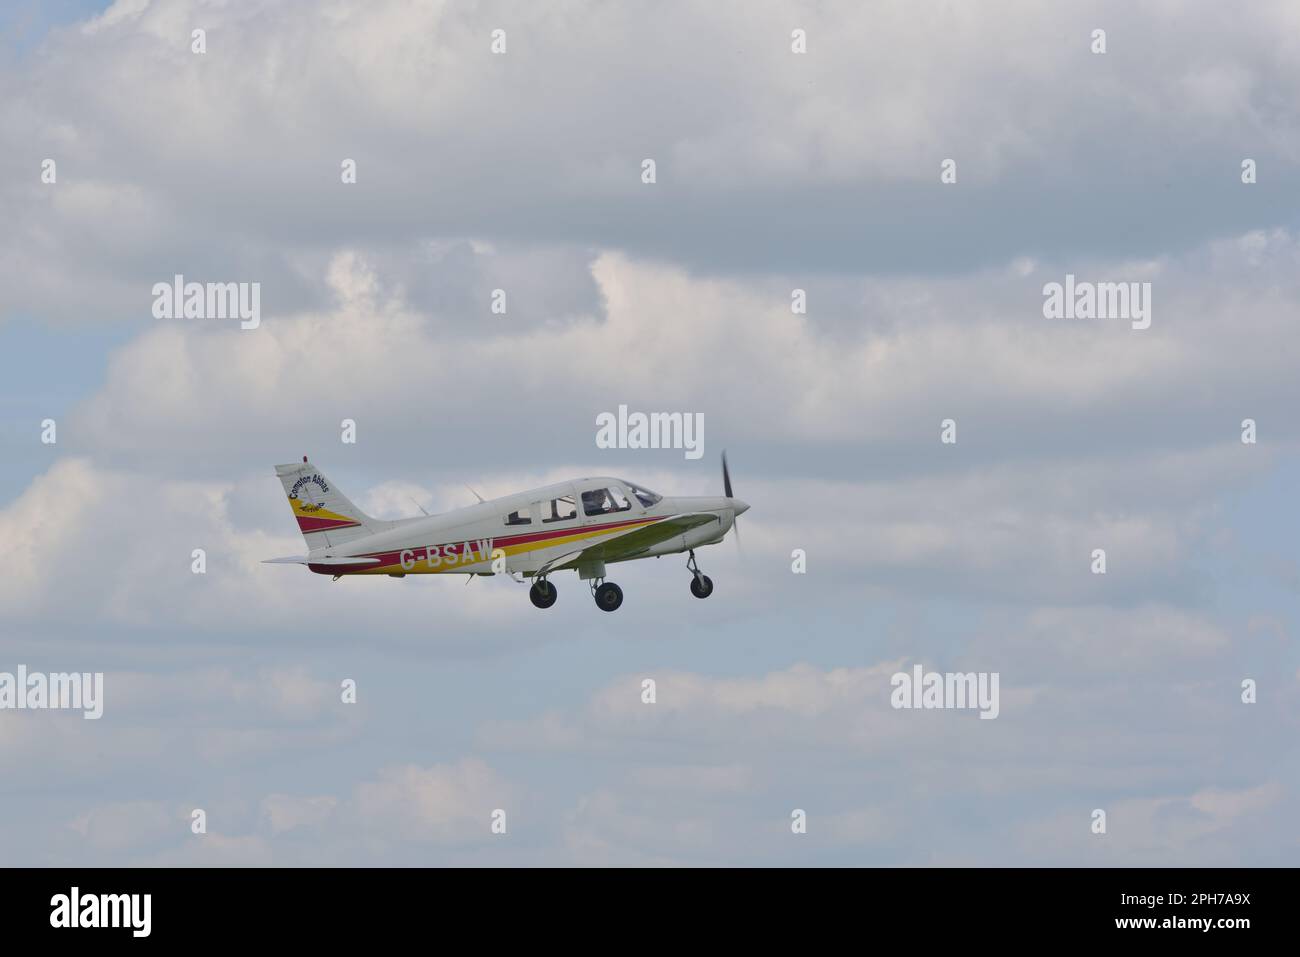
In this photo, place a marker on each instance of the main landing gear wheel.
(608, 597)
(701, 584)
(543, 594)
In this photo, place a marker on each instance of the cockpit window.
(602, 501)
(644, 495)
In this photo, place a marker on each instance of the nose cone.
(740, 507)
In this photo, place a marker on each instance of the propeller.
(726, 490)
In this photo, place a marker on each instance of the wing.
(631, 543)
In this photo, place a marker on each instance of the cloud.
(124, 827)
(1207, 828)
(287, 812)
(977, 350)
(443, 804)
(842, 150)
(885, 786)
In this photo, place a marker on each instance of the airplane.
(583, 524)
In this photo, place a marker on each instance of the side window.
(602, 501)
(559, 510)
(519, 517)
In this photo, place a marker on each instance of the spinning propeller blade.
(726, 489)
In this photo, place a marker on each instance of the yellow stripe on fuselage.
(484, 563)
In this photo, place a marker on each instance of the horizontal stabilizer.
(323, 560)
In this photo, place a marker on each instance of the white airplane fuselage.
(583, 524)
(464, 541)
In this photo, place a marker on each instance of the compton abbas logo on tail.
(309, 502)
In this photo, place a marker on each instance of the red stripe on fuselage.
(395, 558)
(571, 530)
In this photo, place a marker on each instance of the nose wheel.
(542, 593)
(701, 584)
(608, 596)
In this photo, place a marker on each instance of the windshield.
(643, 495)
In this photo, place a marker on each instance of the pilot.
(594, 502)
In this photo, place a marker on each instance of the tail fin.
(325, 515)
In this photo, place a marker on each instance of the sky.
(921, 170)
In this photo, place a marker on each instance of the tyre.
(702, 587)
(542, 594)
(608, 597)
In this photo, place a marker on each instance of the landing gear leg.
(701, 584)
